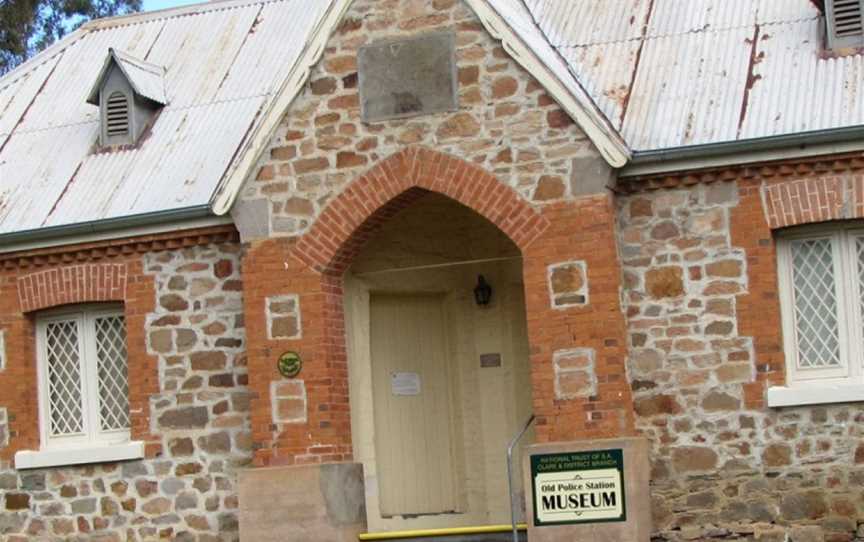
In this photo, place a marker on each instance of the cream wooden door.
(411, 387)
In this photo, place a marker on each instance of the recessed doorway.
(439, 383)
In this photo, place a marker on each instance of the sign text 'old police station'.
(578, 487)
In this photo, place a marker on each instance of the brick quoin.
(312, 266)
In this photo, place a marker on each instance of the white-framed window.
(83, 378)
(821, 279)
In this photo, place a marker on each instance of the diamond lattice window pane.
(859, 251)
(64, 378)
(112, 373)
(816, 322)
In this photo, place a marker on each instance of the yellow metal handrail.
(423, 533)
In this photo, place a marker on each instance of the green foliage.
(28, 26)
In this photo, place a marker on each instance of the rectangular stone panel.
(407, 77)
(288, 398)
(283, 317)
(568, 284)
(575, 374)
(302, 503)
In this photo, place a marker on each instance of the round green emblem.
(289, 364)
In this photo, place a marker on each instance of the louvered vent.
(845, 23)
(117, 115)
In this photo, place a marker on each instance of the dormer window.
(129, 93)
(845, 21)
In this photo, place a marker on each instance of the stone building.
(245, 248)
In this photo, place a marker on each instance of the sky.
(150, 5)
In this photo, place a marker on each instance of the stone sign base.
(303, 503)
(614, 513)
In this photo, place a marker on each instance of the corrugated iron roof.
(677, 73)
(660, 74)
(223, 64)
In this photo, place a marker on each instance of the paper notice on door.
(405, 383)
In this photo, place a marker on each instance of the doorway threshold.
(485, 533)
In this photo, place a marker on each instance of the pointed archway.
(358, 211)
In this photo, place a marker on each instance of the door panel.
(413, 442)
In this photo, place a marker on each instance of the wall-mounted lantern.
(482, 292)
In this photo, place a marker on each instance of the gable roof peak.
(145, 78)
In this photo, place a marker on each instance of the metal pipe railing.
(513, 503)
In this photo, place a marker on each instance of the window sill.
(77, 456)
(815, 394)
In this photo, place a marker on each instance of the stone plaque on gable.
(407, 77)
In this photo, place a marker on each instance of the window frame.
(847, 289)
(92, 435)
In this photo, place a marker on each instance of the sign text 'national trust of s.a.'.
(578, 487)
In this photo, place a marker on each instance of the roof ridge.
(170, 13)
(141, 63)
(32, 63)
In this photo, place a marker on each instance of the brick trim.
(814, 199)
(396, 182)
(113, 248)
(73, 284)
(819, 165)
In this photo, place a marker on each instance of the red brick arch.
(397, 181)
(85, 283)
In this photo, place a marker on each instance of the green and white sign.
(578, 487)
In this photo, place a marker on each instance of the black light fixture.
(482, 292)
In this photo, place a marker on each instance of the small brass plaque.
(289, 364)
(490, 360)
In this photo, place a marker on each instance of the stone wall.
(196, 420)
(700, 294)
